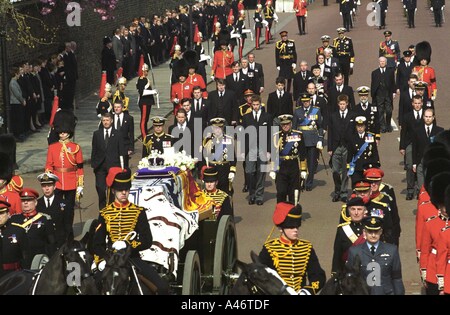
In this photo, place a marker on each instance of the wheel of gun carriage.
(192, 274)
(225, 256)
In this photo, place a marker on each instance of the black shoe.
(308, 188)
(260, 202)
(409, 196)
(245, 188)
(335, 198)
(251, 201)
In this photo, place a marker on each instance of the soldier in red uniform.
(222, 62)
(423, 70)
(65, 160)
(181, 89)
(301, 13)
(6, 192)
(194, 78)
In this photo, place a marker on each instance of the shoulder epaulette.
(342, 224)
(279, 41)
(298, 131)
(291, 40)
(278, 132)
(242, 105)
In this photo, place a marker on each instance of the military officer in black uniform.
(158, 140)
(219, 151)
(368, 110)
(325, 44)
(389, 49)
(292, 258)
(14, 243)
(119, 95)
(345, 53)
(362, 151)
(286, 58)
(308, 119)
(222, 201)
(437, 6)
(245, 109)
(39, 227)
(289, 164)
(348, 233)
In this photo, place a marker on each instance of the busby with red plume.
(118, 178)
(196, 37)
(287, 215)
(423, 51)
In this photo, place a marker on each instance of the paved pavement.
(32, 154)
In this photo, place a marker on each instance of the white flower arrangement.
(178, 159)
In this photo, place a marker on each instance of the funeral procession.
(224, 147)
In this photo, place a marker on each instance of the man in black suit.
(301, 80)
(382, 88)
(331, 62)
(406, 96)
(319, 101)
(279, 102)
(337, 89)
(70, 74)
(258, 124)
(423, 135)
(410, 121)
(223, 103)
(54, 206)
(411, 8)
(340, 127)
(237, 82)
(199, 116)
(258, 70)
(124, 123)
(181, 132)
(404, 69)
(108, 150)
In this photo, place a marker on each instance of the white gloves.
(433, 97)
(423, 274)
(118, 245)
(431, 8)
(404, 6)
(303, 174)
(294, 66)
(351, 65)
(319, 145)
(101, 265)
(354, 10)
(80, 190)
(176, 100)
(340, 13)
(231, 177)
(385, 11)
(278, 68)
(440, 282)
(272, 175)
(212, 78)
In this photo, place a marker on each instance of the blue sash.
(306, 121)
(351, 170)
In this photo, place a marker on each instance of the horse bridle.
(338, 281)
(256, 289)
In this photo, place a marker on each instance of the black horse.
(67, 272)
(258, 279)
(121, 277)
(348, 282)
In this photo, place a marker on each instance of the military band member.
(289, 161)
(115, 223)
(222, 201)
(362, 151)
(368, 110)
(120, 93)
(39, 227)
(286, 58)
(219, 148)
(308, 119)
(158, 140)
(345, 53)
(384, 254)
(14, 243)
(349, 233)
(292, 258)
(390, 49)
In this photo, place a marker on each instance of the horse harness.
(255, 289)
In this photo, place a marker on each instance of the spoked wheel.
(192, 274)
(225, 256)
(39, 261)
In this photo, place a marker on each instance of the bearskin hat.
(8, 146)
(65, 121)
(435, 167)
(444, 138)
(191, 58)
(433, 151)
(6, 167)
(438, 185)
(224, 37)
(423, 51)
(180, 68)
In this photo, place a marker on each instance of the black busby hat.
(444, 138)
(106, 40)
(118, 178)
(180, 68)
(433, 151)
(8, 146)
(423, 51)
(191, 58)
(438, 185)
(6, 168)
(287, 215)
(210, 174)
(65, 121)
(434, 167)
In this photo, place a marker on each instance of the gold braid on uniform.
(64, 150)
(120, 221)
(344, 214)
(291, 260)
(218, 196)
(281, 46)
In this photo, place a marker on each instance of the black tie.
(221, 94)
(118, 122)
(407, 64)
(196, 105)
(342, 115)
(280, 95)
(428, 131)
(372, 249)
(304, 75)
(418, 116)
(256, 117)
(48, 202)
(106, 137)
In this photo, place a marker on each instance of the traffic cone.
(55, 107)
(101, 91)
(141, 63)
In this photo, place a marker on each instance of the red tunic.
(196, 79)
(300, 5)
(222, 64)
(426, 74)
(424, 211)
(180, 91)
(428, 247)
(12, 197)
(442, 258)
(65, 160)
(423, 196)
